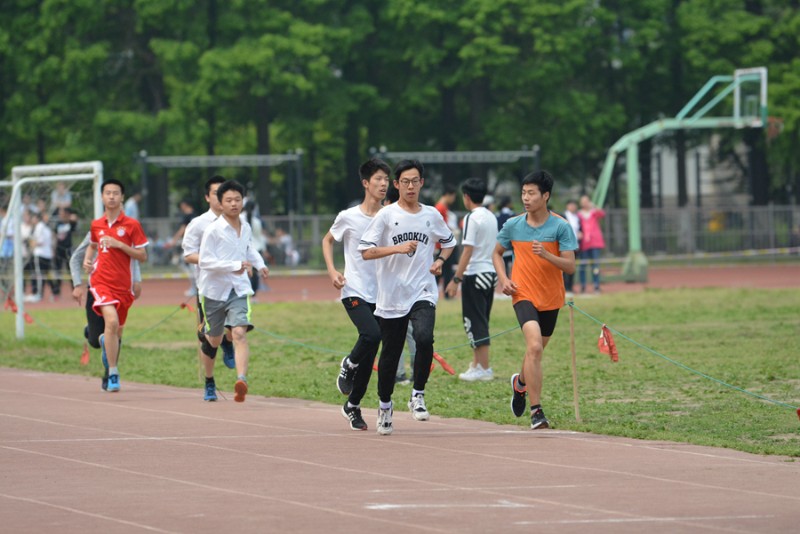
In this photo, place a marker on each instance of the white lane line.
(417, 506)
(485, 488)
(644, 520)
(85, 513)
(301, 504)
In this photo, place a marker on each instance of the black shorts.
(526, 311)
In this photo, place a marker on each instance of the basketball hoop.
(774, 127)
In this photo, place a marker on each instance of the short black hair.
(542, 179)
(229, 185)
(406, 164)
(449, 189)
(216, 179)
(475, 189)
(371, 166)
(112, 181)
(392, 194)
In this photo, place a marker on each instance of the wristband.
(457, 280)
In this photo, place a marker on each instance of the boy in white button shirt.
(226, 257)
(402, 238)
(192, 237)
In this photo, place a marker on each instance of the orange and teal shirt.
(538, 280)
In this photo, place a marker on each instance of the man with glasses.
(403, 237)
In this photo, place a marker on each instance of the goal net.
(45, 210)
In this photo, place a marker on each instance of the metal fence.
(692, 230)
(665, 232)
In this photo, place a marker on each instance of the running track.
(154, 459)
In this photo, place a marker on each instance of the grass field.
(747, 338)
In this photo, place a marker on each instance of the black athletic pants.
(393, 336)
(362, 314)
(95, 323)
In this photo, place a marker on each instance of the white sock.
(415, 392)
(386, 405)
(350, 364)
(350, 405)
(113, 371)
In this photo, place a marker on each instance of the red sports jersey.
(112, 267)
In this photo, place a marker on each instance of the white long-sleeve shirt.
(222, 251)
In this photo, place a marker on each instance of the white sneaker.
(418, 409)
(385, 422)
(471, 374)
(487, 375)
(31, 298)
(467, 375)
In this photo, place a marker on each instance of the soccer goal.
(44, 195)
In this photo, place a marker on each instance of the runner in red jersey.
(119, 239)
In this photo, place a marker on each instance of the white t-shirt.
(43, 236)
(403, 279)
(480, 231)
(348, 228)
(193, 234)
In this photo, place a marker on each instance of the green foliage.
(104, 79)
(745, 338)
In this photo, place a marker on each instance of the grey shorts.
(221, 313)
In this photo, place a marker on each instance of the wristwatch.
(457, 280)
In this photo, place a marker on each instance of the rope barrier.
(684, 366)
(571, 304)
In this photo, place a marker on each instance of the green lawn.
(746, 338)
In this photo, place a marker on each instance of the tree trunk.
(264, 182)
(758, 170)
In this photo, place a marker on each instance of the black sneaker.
(518, 403)
(538, 420)
(344, 382)
(354, 416)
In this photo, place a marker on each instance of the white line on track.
(88, 514)
(449, 506)
(644, 520)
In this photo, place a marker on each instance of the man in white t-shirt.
(192, 236)
(358, 287)
(402, 238)
(476, 271)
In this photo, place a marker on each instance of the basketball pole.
(575, 395)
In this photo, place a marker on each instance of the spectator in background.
(447, 199)
(60, 198)
(571, 215)
(131, 208)
(592, 242)
(42, 246)
(286, 245)
(505, 213)
(64, 226)
(476, 270)
(187, 214)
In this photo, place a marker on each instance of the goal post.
(22, 176)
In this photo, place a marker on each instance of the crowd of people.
(399, 256)
(46, 233)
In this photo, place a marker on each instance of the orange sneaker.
(241, 390)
